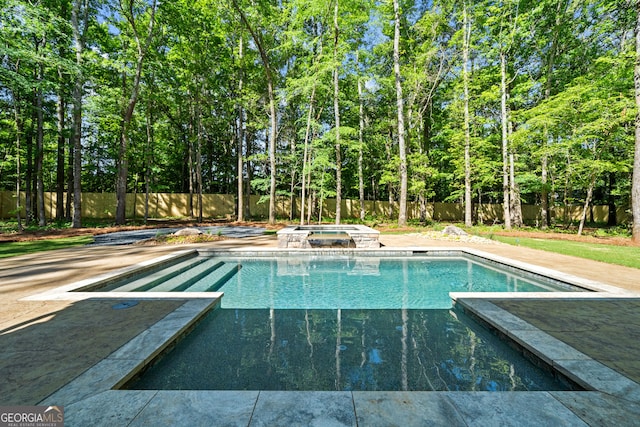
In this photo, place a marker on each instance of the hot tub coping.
(297, 236)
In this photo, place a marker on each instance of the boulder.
(187, 232)
(452, 230)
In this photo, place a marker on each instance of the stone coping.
(297, 236)
(573, 364)
(93, 397)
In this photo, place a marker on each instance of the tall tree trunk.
(306, 155)
(273, 132)
(123, 163)
(402, 214)
(199, 159)
(60, 158)
(42, 219)
(191, 166)
(506, 204)
(78, 40)
(467, 132)
(336, 111)
(240, 133)
(635, 186)
(19, 131)
(148, 154)
(361, 151)
(28, 184)
(292, 187)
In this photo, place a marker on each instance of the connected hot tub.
(309, 236)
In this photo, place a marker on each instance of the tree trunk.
(612, 219)
(123, 163)
(19, 131)
(336, 111)
(28, 184)
(467, 132)
(361, 151)
(387, 146)
(292, 188)
(635, 186)
(402, 214)
(544, 194)
(60, 158)
(273, 132)
(42, 220)
(148, 162)
(306, 157)
(190, 166)
(514, 196)
(199, 162)
(240, 134)
(79, 16)
(585, 209)
(506, 204)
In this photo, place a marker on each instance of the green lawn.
(628, 256)
(10, 249)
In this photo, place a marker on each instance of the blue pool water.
(310, 323)
(366, 283)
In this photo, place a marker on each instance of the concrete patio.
(60, 352)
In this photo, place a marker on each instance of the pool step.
(181, 282)
(155, 278)
(216, 279)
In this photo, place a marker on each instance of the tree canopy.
(509, 101)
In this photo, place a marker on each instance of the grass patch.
(9, 249)
(628, 256)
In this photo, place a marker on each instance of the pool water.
(345, 323)
(352, 350)
(366, 282)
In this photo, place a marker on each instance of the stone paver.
(607, 330)
(73, 336)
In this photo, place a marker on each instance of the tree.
(402, 215)
(466, 40)
(635, 187)
(273, 133)
(80, 14)
(131, 11)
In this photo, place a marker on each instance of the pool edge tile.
(198, 407)
(513, 408)
(304, 408)
(406, 408)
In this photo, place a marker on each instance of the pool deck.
(59, 352)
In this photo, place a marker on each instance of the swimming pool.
(331, 282)
(348, 323)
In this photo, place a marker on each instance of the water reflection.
(238, 349)
(364, 282)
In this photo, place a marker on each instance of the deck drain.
(124, 304)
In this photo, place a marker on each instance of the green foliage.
(569, 69)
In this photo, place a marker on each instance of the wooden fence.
(173, 205)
